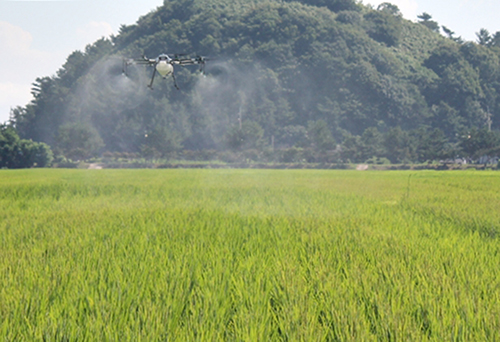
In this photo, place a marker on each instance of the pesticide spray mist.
(202, 114)
(231, 95)
(106, 85)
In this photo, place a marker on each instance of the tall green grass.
(239, 255)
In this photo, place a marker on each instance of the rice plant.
(249, 255)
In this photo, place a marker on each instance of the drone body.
(164, 68)
(164, 65)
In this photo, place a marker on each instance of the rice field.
(249, 255)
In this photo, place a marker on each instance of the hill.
(307, 75)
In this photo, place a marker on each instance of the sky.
(37, 36)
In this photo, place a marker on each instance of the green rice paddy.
(249, 255)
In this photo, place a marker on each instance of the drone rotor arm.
(140, 62)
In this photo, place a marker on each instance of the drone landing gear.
(152, 79)
(175, 82)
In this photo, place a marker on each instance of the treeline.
(420, 145)
(317, 145)
(308, 80)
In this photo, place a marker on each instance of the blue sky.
(37, 36)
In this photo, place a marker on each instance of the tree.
(43, 155)
(389, 8)
(495, 40)
(477, 142)
(458, 80)
(447, 118)
(79, 141)
(424, 16)
(249, 136)
(294, 136)
(425, 19)
(443, 56)
(450, 34)
(359, 149)
(320, 136)
(334, 5)
(350, 149)
(20, 153)
(398, 145)
(431, 144)
(9, 147)
(384, 26)
(371, 143)
(483, 59)
(484, 37)
(162, 140)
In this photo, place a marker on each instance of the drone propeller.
(177, 55)
(144, 60)
(201, 61)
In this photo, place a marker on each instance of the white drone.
(164, 65)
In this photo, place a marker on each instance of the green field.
(249, 255)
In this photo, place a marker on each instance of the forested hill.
(311, 75)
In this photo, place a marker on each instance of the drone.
(164, 65)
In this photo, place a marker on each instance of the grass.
(249, 255)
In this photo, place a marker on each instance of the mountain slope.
(278, 69)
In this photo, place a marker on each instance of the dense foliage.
(20, 153)
(321, 77)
